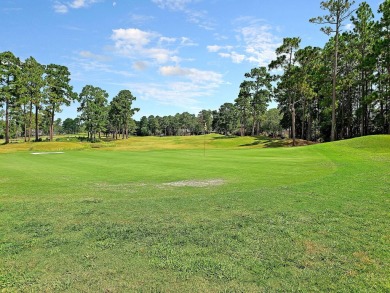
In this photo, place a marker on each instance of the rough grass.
(312, 218)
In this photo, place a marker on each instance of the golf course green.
(195, 214)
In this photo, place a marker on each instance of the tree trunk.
(36, 123)
(309, 125)
(6, 120)
(303, 120)
(25, 122)
(293, 123)
(52, 123)
(30, 122)
(334, 79)
(253, 124)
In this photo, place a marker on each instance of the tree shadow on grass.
(225, 137)
(267, 142)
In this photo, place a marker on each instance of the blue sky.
(173, 55)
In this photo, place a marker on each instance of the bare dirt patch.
(196, 183)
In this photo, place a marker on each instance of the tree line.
(31, 94)
(343, 89)
(224, 121)
(339, 91)
(335, 92)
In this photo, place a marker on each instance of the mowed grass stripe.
(288, 219)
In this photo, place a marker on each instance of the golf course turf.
(195, 214)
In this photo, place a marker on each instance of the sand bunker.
(196, 183)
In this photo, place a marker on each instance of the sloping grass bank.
(210, 141)
(235, 219)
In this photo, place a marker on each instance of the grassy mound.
(239, 217)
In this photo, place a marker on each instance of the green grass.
(112, 219)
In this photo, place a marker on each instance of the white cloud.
(185, 95)
(255, 43)
(187, 42)
(349, 26)
(137, 44)
(90, 55)
(167, 40)
(197, 17)
(132, 37)
(140, 19)
(172, 4)
(60, 8)
(159, 54)
(94, 69)
(260, 44)
(235, 57)
(183, 87)
(78, 4)
(63, 7)
(216, 48)
(167, 94)
(195, 75)
(140, 65)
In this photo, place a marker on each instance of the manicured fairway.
(238, 218)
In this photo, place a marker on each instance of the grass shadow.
(267, 142)
(225, 137)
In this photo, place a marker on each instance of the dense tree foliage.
(9, 68)
(30, 89)
(94, 110)
(335, 92)
(120, 114)
(57, 92)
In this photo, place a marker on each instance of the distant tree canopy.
(31, 94)
(339, 91)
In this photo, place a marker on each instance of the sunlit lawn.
(203, 214)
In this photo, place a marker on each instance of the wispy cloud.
(60, 8)
(256, 43)
(184, 95)
(260, 43)
(234, 56)
(198, 17)
(63, 7)
(172, 4)
(183, 87)
(90, 55)
(140, 65)
(138, 44)
(87, 67)
(196, 76)
(8, 10)
(216, 48)
(348, 26)
(167, 94)
(139, 19)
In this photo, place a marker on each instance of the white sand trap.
(47, 153)
(196, 183)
